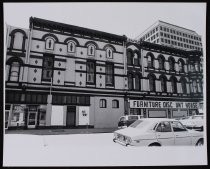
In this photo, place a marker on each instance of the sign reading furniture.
(162, 104)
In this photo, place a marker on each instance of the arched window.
(49, 43)
(129, 57)
(181, 65)
(115, 104)
(174, 84)
(152, 82)
(14, 71)
(130, 81)
(163, 81)
(183, 85)
(91, 50)
(102, 103)
(197, 67)
(137, 82)
(71, 47)
(109, 53)
(171, 64)
(18, 38)
(136, 58)
(161, 61)
(150, 60)
(200, 88)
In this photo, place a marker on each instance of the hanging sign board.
(163, 104)
(83, 115)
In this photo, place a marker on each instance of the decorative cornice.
(74, 29)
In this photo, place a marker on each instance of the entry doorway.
(32, 119)
(6, 119)
(71, 116)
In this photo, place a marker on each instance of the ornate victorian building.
(163, 81)
(60, 75)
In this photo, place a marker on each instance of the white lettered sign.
(162, 104)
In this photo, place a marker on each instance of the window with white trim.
(109, 74)
(49, 43)
(14, 71)
(48, 64)
(71, 47)
(109, 53)
(91, 50)
(91, 72)
(102, 103)
(115, 103)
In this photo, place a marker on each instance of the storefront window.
(17, 118)
(134, 111)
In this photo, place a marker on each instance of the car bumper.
(122, 127)
(120, 142)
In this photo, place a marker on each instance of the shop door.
(32, 119)
(71, 116)
(6, 119)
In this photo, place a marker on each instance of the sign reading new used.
(162, 104)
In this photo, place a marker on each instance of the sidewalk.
(61, 131)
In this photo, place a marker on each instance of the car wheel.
(200, 142)
(154, 144)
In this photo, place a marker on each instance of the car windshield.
(197, 117)
(139, 124)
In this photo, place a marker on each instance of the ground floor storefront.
(62, 111)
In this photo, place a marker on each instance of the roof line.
(165, 23)
(76, 27)
(177, 26)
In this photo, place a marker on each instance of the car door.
(182, 135)
(164, 134)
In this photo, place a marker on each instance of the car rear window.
(132, 117)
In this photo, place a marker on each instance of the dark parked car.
(127, 120)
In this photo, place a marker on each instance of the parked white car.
(157, 132)
(193, 122)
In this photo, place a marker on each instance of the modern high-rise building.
(164, 33)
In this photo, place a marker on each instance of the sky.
(129, 19)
